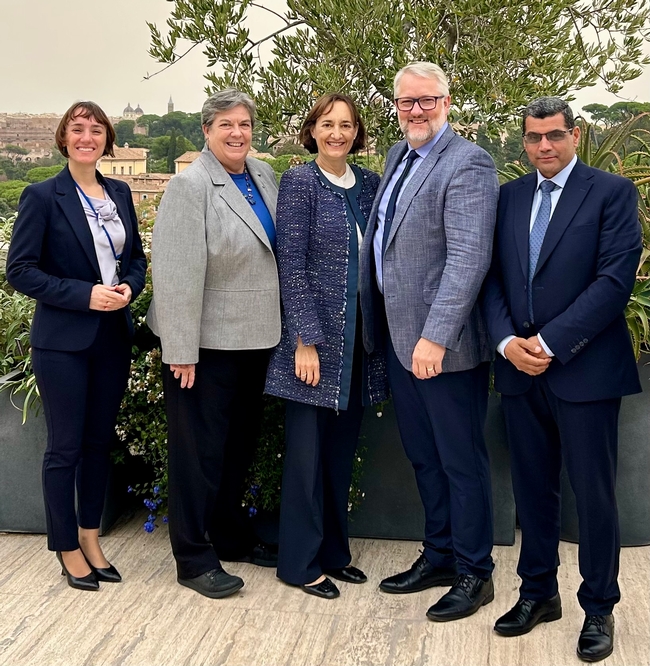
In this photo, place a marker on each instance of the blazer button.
(526, 324)
(585, 341)
(574, 350)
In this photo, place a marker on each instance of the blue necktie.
(392, 201)
(536, 238)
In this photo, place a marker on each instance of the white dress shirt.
(559, 180)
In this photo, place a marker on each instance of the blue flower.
(165, 519)
(149, 527)
(151, 517)
(252, 511)
(129, 490)
(254, 490)
(156, 490)
(159, 501)
(151, 505)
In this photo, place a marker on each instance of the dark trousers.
(315, 486)
(441, 423)
(542, 431)
(213, 430)
(81, 394)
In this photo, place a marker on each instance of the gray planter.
(392, 509)
(633, 477)
(21, 452)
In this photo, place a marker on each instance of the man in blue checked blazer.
(566, 251)
(422, 270)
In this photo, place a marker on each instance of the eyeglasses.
(554, 136)
(425, 103)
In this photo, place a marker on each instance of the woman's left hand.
(307, 363)
(125, 290)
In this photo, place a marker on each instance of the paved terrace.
(149, 620)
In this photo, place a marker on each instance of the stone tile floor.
(150, 620)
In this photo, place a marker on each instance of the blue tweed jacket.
(313, 241)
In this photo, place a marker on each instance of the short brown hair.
(322, 106)
(85, 110)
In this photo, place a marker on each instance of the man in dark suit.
(423, 265)
(566, 251)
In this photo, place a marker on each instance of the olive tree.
(498, 55)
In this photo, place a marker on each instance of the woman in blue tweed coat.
(320, 365)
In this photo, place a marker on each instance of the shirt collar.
(424, 150)
(560, 178)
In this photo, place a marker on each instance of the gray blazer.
(215, 279)
(437, 255)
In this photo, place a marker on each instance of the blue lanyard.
(101, 224)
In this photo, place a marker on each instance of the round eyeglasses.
(425, 103)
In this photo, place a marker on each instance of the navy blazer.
(583, 280)
(52, 259)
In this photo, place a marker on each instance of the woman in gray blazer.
(216, 309)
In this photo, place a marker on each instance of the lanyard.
(116, 256)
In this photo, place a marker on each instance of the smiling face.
(335, 131)
(421, 126)
(229, 137)
(550, 157)
(85, 139)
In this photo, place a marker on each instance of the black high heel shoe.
(108, 574)
(88, 582)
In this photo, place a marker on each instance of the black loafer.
(421, 576)
(347, 574)
(325, 589)
(526, 614)
(215, 584)
(262, 555)
(596, 640)
(466, 596)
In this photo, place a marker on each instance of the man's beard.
(425, 133)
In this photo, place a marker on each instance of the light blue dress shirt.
(377, 240)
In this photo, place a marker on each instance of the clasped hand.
(527, 355)
(105, 298)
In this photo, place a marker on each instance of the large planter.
(21, 459)
(633, 476)
(392, 509)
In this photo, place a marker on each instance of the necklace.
(249, 190)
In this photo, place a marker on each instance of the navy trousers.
(441, 423)
(316, 478)
(212, 434)
(81, 394)
(542, 431)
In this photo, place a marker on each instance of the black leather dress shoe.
(421, 576)
(596, 640)
(87, 583)
(325, 589)
(215, 583)
(262, 555)
(467, 595)
(107, 575)
(347, 574)
(526, 614)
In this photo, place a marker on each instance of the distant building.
(170, 105)
(130, 113)
(185, 160)
(34, 132)
(144, 186)
(127, 162)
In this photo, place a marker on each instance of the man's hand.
(427, 359)
(525, 355)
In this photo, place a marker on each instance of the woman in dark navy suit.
(76, 249)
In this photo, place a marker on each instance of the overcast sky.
(54, 52)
